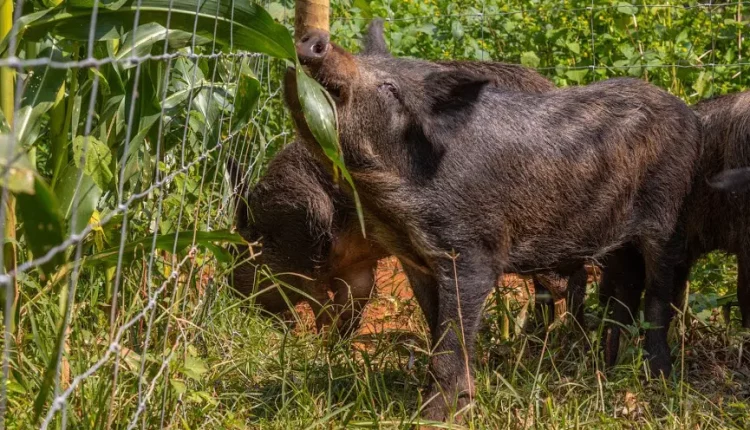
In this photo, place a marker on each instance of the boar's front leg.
(660, 263)
(352, 289)
(743, 285)
(425, 290)
(464, 282)
(623, 281)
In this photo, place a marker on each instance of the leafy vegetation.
(119, 146)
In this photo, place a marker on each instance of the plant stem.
(58, 135)
(60, 112)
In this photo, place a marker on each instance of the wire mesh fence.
(116, 211)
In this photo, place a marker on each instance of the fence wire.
(100, 320)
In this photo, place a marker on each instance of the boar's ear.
(449, 101)
(446, 103)
(374, 42)
(291, 98)
(454, 92)
(731, 180)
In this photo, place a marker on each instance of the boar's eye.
(389, 89)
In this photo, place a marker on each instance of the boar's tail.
(731, 180)
(239, 190)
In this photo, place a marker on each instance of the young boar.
(712, 219)
(309, 226)
(310, 240)
(463, 181)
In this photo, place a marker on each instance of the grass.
(267, 377)
(231, 367)
(213, 361)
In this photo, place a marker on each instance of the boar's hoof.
(439, 411)
(660, 365)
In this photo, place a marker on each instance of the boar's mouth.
(330, 65)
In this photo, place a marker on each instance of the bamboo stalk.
(311, 14)
(7, 104)
(7, 99)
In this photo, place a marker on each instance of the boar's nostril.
(312, 46)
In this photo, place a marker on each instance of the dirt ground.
(392, 307)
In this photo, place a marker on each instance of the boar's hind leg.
(576, 295)
(461, 300)
(620, 292)
(743, 286)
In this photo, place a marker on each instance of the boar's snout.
(313, 47)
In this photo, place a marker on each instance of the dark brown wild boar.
(712, 218)
(463, 181)
(310, 229)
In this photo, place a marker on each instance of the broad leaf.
(20, 177)
(241, 25)
(140, 41)
(96, 159)
(39, 96)
(42, 222)
(246, 96)
(77, 199)
(320, 115)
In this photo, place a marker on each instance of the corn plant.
(113, 152)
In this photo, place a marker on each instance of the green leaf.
(179, 387)
(39, 96)
(96, 160)
(577, 76)
(48, 380)
(103, 4)
(42, 222)
(81, 196)
(530, 59)
(140, 41)
(574, 47)
(424, 28)
(364, 8)
(194, 368)
(246, 96)
(320, 115)
(277, 11)
(20, 177)
(626, 8)
(241, 25)
(457, 30)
